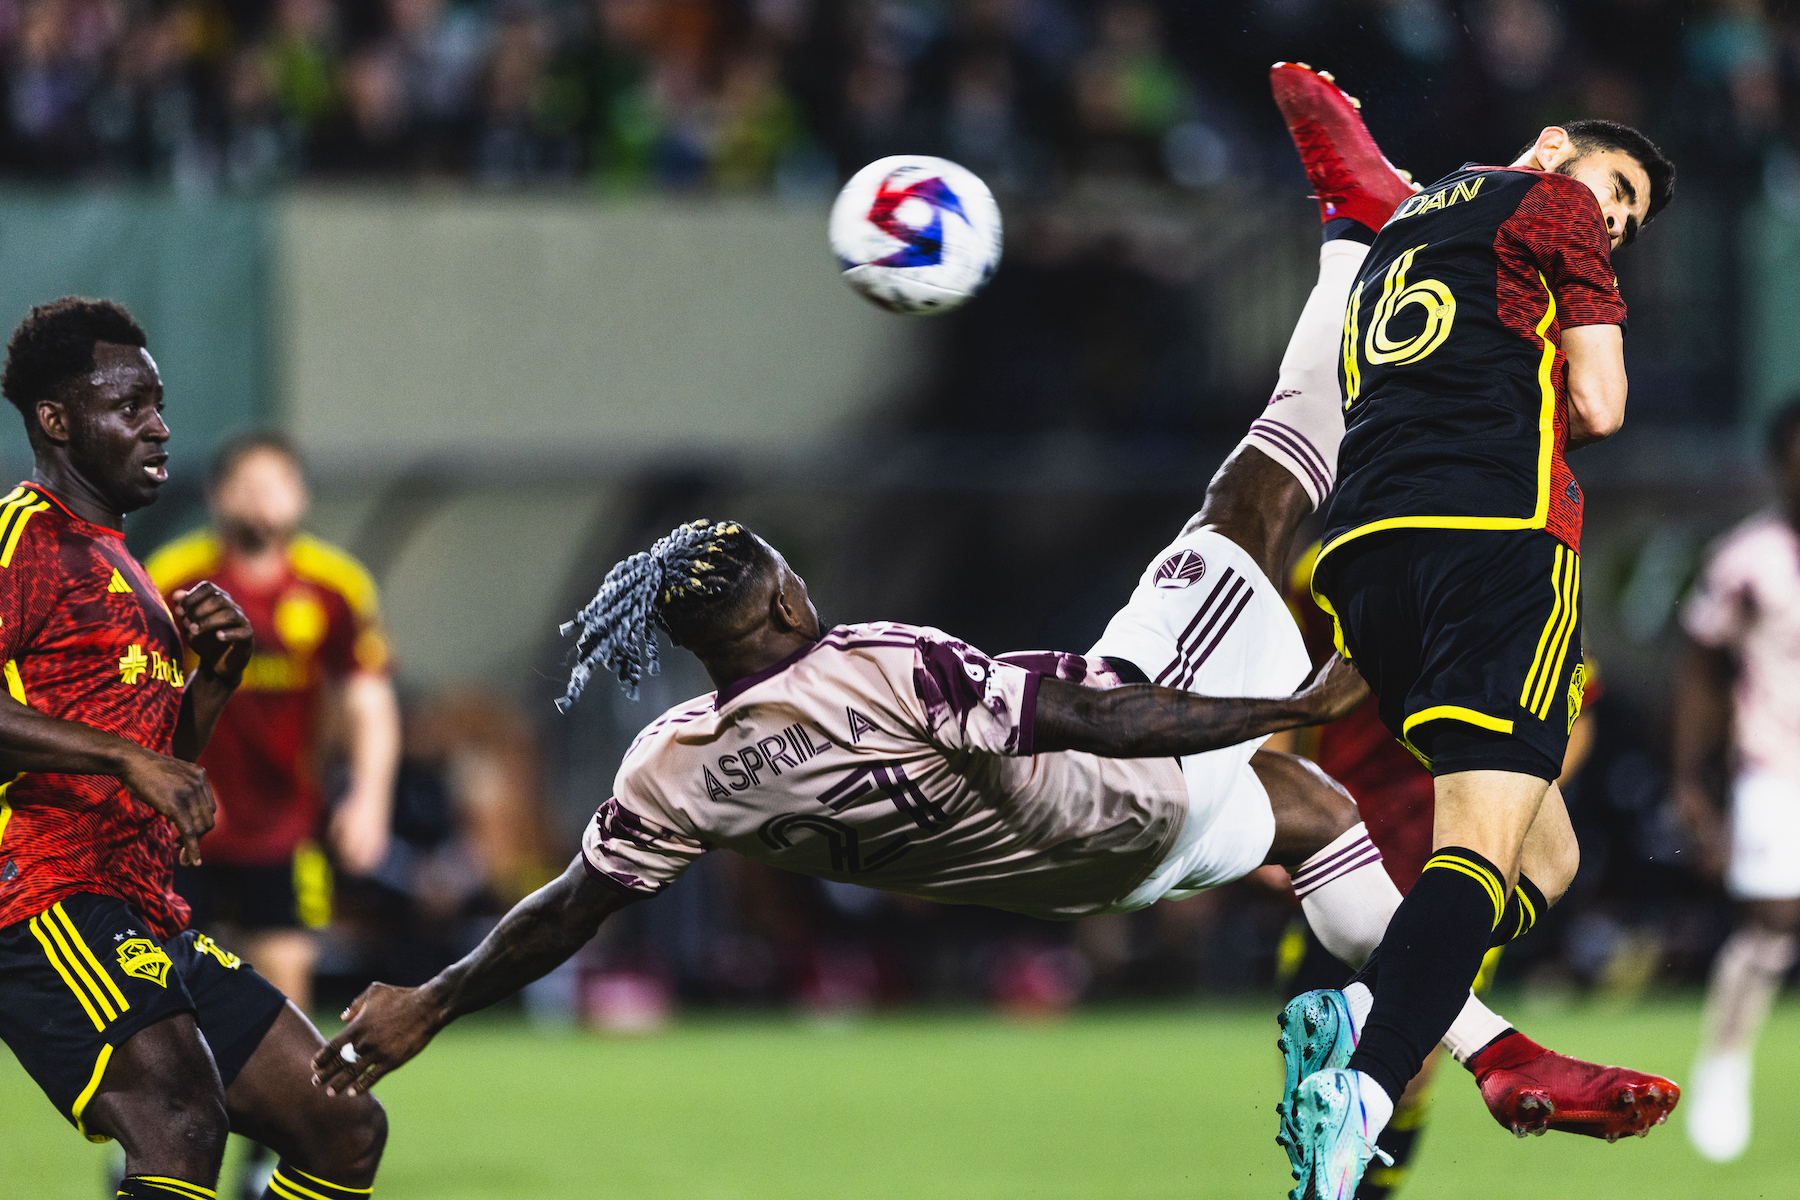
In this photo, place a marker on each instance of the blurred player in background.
(136, 1027)
(1737, 716)
(1394, 794)
(266, 884)
(318, 638)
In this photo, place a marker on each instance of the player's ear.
(1552, 146)
(54, 421)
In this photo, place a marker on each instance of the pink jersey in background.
(1748, 602)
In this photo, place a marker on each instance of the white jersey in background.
(1747, 602)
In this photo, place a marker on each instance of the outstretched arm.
(1146, 721)
(390, 1025)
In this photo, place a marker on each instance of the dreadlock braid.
(684, 573)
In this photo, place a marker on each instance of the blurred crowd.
(789, 95)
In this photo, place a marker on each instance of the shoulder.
(32, 523)
(659, 732)
(1758, 542)
(323, 564)
(184, 560)
(1558, 202)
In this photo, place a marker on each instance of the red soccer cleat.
(1345, 166)
(1530, 1089)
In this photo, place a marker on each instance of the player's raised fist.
(215, 629)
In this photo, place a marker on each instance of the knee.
(1553, 869)
(347, 1146)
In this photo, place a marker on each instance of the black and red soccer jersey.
(1456, 408)
(84, 636)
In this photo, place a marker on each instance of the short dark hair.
(1591, 135)
(1783, 429)
(237, 448)
(54, 345)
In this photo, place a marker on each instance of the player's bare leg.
(1746, 975)
(329, 1146)
(160, 1099)
(286, 957)
(1287, 463)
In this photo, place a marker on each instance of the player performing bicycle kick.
(897, 757)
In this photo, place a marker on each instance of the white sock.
(1348, 900)
(1745, 977)
(1347, 896)
(1304, 423)
(1475, 1026)
(1378, 1106)
(1360, 1000)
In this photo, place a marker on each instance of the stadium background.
(532, 280)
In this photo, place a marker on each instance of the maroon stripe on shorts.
(1205, 607)
(1242, 596)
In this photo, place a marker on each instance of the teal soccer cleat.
(1316, 1034)
(1334, 1150)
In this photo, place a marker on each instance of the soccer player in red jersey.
(313, 609)
(135, 1027)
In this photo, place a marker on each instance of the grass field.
(1152, 1103)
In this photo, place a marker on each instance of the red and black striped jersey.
(84, 636)
(1456, 406)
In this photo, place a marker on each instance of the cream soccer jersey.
(896, 757)
(1748, 602)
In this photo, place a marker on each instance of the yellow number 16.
(1396, 293)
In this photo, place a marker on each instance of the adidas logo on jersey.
(1180, 570)
(117, 583)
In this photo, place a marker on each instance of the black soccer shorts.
(1470, 639)
(81, 977)
(256, 897)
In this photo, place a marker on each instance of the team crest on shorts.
(1179, 570)
(145, 959)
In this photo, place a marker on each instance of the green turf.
(1163, 1103)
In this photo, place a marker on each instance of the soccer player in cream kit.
(1737, 699)
(1053, 784)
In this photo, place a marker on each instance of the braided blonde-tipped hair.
(697, 564)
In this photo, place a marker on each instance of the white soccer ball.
(916, 234)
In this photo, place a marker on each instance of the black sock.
(1524, 908)
(1344, 227)
(1400, 1138)
(1429, 957)
(291, 1183)
(162, 1187)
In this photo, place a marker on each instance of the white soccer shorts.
(1765, 837)
(1205, 618)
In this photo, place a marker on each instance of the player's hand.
(388, 1026)
(216, 629)
(179, 791)
(1335, 691)
(359, 834)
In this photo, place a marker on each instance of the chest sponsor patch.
(1179, 570)
(144, 959)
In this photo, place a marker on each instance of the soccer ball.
(916, 234)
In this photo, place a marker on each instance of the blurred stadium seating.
(532, 281)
